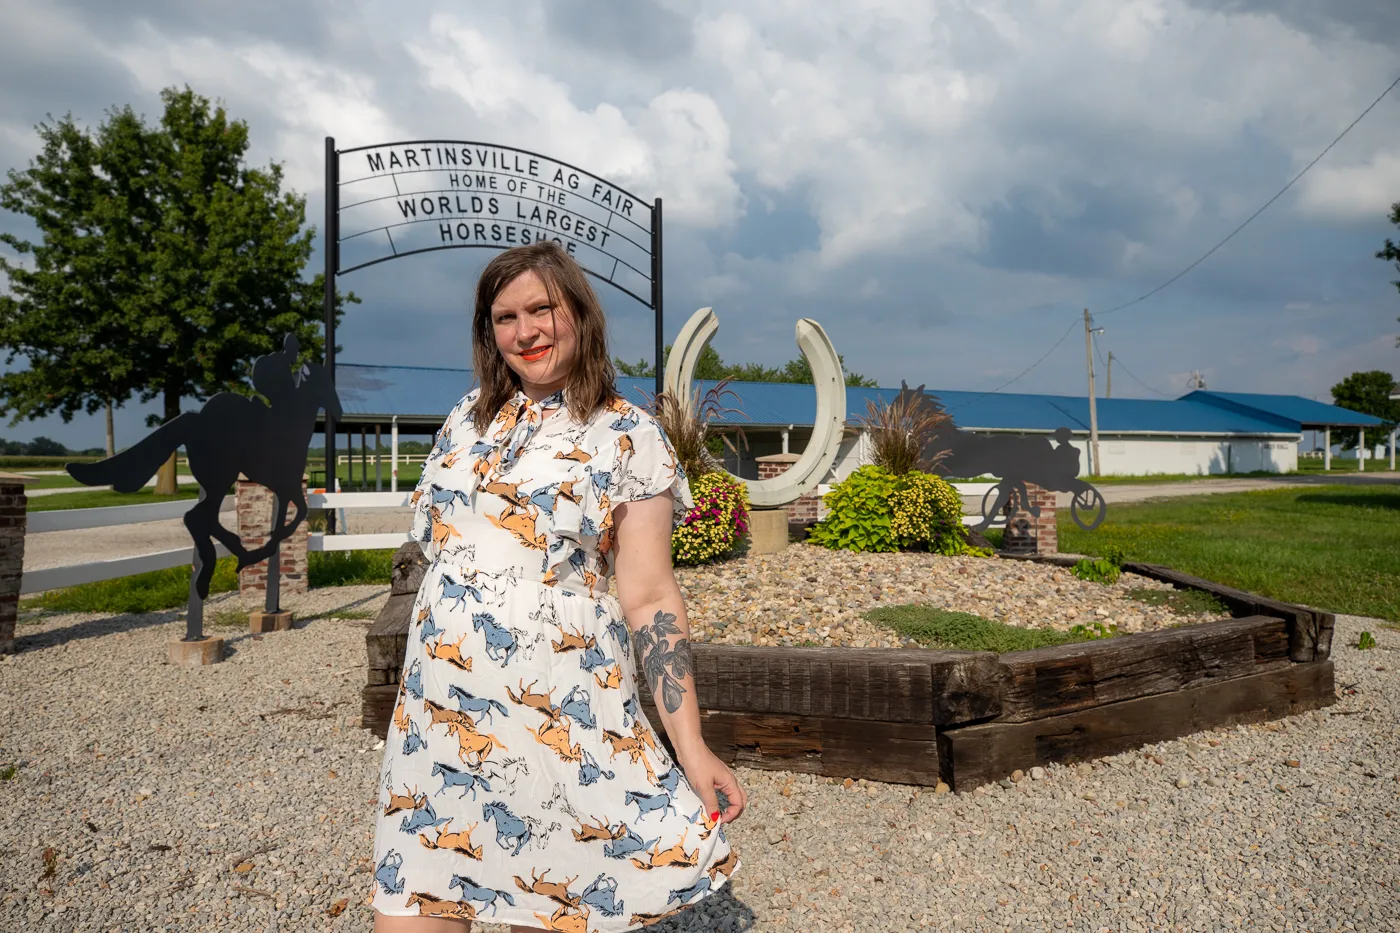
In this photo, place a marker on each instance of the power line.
(1022, 373)
(1262, 209)
(1139, 381)
(1119, 361)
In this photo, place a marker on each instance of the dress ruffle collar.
(506, 438)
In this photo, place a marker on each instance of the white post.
(1361, 450)
(785, 438)
(1326, 449)
(378, 461)
(394, 455)
(1392, 450)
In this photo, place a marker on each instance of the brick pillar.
(1026, 534)
(254, 508)
(13, 510)
(803, 510)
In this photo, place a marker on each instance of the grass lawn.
(102, 498)
(1333, 547)
(170, 589)
(352, 479)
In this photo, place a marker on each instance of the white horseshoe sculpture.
(804, 475)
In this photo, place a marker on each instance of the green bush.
(716, 526)
(874, 510)
(1097, 570)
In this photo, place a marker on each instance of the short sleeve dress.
(521, 781)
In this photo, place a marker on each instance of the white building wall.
(1136, 455)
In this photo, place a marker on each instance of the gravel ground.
(153, 798)
(809, 593)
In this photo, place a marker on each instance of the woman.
(521, 782)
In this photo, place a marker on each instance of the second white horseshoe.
(827, 429)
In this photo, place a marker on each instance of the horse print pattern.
(521, 782)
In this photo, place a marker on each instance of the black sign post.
(397, 199)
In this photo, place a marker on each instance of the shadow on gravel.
(225, 604)
(90, 628)
(720, 912)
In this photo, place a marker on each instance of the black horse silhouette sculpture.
(233, 434)
(1016, 460)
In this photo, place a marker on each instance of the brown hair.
(592, 382)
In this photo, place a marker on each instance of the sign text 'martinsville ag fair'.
(415, 197)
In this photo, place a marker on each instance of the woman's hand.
(711, 777)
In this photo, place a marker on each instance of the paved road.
(56, 549)
(1136, 492)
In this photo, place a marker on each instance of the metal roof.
(411, 392)
(425, 394)
(1291, 408)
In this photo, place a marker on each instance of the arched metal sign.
(400, 199)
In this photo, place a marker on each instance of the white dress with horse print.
(521, 781)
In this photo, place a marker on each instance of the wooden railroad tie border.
(971, 756)
(917, 715)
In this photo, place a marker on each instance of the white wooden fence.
(50, 578)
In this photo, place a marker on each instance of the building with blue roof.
(1200, 433)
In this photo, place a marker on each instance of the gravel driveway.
(154, 798)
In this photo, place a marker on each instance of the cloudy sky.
(943, 185)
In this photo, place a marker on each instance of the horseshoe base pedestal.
(768, 530)
(259, 622)
(197, 653)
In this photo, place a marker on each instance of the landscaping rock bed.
(809, 593)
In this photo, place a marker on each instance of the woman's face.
(539, 345)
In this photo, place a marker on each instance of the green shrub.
(1097, 570)
(874, 510)
(859, 517)
(716, 526)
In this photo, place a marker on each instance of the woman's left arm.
(655, 610)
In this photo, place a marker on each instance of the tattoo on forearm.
(665, 662)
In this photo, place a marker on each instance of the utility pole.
(1108, 392)
(1093, 409)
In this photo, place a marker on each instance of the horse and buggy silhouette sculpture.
(1015, 459)
(231, 434)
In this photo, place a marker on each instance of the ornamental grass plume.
(900, 432)
(688, 426)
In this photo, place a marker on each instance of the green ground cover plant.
(932, 627)
(1329, 547)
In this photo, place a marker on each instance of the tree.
(1391, 251)
(165, 266)
(1369, 393)
(710, 367)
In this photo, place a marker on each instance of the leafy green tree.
(1369, 393)
(165, 265)
(710, 367)
(1391, 251)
